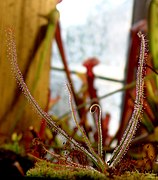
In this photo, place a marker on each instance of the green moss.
(56, 171)
(136, 176)
(45, 169)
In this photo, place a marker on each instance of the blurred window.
(93, 28)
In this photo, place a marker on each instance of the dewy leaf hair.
(129, 133)
(12, 56)
(88, 143)
(100, 137)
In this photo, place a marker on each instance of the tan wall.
(23, 16)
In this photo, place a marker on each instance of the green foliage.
(14, 145)
(153, 35)
(153, 28)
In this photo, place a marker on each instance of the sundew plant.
(96, 157)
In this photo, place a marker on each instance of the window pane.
(94, 28)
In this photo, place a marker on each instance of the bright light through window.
(94, 28)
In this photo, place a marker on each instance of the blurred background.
(98, 29)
